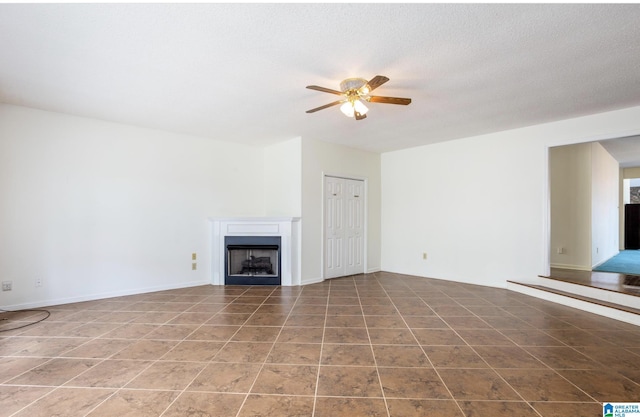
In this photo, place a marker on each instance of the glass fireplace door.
(252, 260)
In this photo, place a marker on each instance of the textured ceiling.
(625, 150)
(238, 72)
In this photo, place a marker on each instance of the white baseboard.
(312, 281)
(101, 296)
(568, 266)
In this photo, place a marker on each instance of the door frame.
(365, 218)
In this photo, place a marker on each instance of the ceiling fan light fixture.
(350, 108)
(347, 109)
(360, 107)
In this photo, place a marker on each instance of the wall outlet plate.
(7, 285)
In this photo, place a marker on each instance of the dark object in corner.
(632, 226)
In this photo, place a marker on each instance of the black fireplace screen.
(252, 260)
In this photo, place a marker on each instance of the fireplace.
(243, 232)
(252, 260)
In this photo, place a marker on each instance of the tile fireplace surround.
(287, 228)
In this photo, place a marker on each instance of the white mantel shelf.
(287, 228)
(255, 219)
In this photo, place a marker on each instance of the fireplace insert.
(252, 260)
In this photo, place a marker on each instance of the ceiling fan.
(354, 91)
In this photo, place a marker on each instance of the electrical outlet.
(38, 282)
(7, 285)
(194, 266)
(560, 250)
(193, 256)
(424, 255)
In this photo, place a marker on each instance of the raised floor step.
(602, 307)
(583, 298)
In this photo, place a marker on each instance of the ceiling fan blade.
(325, 106)
(389, 100)
(377, 81)
(324, 90)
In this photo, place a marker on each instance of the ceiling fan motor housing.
(354, 85)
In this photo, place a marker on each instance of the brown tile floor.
(374, 345)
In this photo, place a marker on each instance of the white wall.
(480, 206)
(570, 188)
(283, 178)
(631, 172)
(604, 205)
(293, 175)
(584, 205)
(98, 209)
(322, 158)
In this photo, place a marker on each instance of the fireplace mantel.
(288, 228)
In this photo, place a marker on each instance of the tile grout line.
(49, 359)
(62, 386)
(137, 339)
(487, 363)
(490, 366)
(270, 350)
(475, 340)
(151, 362)
(553, 369)
(228, 303)
(495, 370)
(474, 350)
(324, 331)
(422, 349)
(373, 354)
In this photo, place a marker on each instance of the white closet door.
(334, 227)
(354, 227)
(344, 227)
